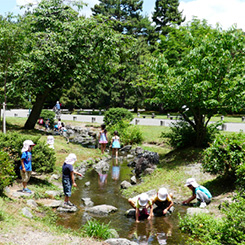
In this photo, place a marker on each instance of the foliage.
(115, 115)
(225, 155)
(199, 88)
(182, 135)
(129, 134)
(240, 176)
(166, 14)
(95, 229)
(6, 171)
(125, 16)
(46, 114)
(43, 159)
(228, 230)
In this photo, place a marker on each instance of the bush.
(228, 230)
(183, 135)
(225, 155)
(115, 115)
(95, 229)
(6, 170)
(129, 134)
(240, 177)
(43, 157)
(46, 114)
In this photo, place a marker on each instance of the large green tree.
(165, 15)
(207, 76)
(126, 16)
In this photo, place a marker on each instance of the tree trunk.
(36, 111)
(200, 134)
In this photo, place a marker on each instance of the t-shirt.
(26, 156)
(204, 190)
(66, 171)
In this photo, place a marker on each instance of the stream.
(106, 190)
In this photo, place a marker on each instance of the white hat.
(192, 182)
(143, 199)
(26, 145)
(162, 194)
(50, 139)
(71, 159)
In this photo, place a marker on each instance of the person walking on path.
(68, 179)
(26, 164)
(115, 144)
(103, 140)
(163, 201)
(199, 192)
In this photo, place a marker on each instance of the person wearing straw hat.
(141, 203)
(68, 179)
(26, 164)
(163, 201)
(199, 192)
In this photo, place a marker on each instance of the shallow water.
(106, 190)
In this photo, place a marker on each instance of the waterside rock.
(101, 210)
(120, 241)
(193, 211)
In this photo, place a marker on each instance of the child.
(47, 124)
(59, 124)
(115, 144)
(164, 202)
(103, 140)
(200, 192)
(141, 201)
(26, 165)
(68, 178)
(64, 132)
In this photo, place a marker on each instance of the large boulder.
(101, 166)
(126, 148)
(125, 185)
(101, 210)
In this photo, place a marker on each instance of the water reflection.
(115, 172)
(105, 189)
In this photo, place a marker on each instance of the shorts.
(25, 176)
(67, 187)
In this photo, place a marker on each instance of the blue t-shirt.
(204, 190)
(26, 155)
(66, 171)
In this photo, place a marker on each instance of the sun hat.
(162, 194)
(143, 199)
(26, 145)
(71, 159)
(192, 182)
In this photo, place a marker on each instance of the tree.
(125, 16)
(165, 15)
(207, 78)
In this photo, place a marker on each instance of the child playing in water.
(68, 178)
(103, 140)
(141, 202)
(164, 202)
(200, 192)
(115, 144)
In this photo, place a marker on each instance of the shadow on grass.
(221, 185)
(41, 182)
(180, 157)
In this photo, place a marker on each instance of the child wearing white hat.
(199, 192)
(68, 178)
(163, 201)
(141, 202)
(26, 164)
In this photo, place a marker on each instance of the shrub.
(183, 135)
(46, 114)
(240, 177)
(94, 228)
(43, 157)
(228, 230)
(225, 155)
(6, 170)
(129, 134)
(115, 115)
